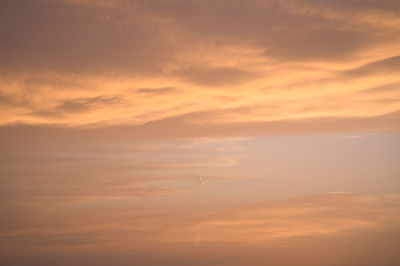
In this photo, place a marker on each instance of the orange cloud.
(208, 52)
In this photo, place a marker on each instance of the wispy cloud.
(221, 56)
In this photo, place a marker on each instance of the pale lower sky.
(197, 201)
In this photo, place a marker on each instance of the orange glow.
(199, 132)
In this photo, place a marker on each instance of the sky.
(199, 132)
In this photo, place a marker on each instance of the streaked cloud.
(78, 105)
(284, 223)
(303, 217)
(281, 61)
(157, 91)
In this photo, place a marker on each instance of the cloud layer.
(318, 227)
(80, 63)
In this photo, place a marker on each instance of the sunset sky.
(199, 132)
